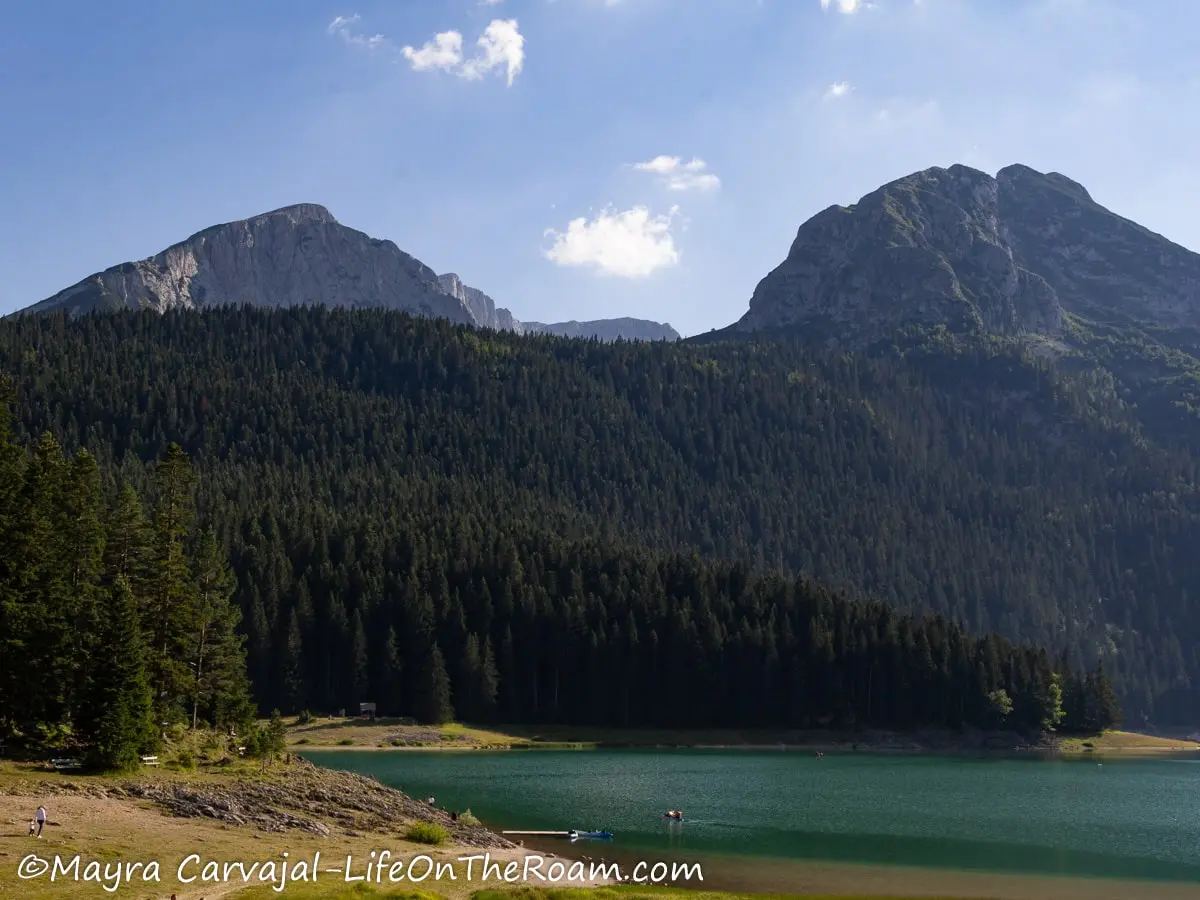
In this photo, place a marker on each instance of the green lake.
(1129, 819)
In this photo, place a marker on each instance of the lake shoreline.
(354, 735)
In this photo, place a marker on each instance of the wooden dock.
(538, 833)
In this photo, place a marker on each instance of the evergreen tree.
(170, 589)
(360, 661)
(391, 684)
(432, 705)
(470, 677)
(47, 650)
(217, 656)
(489, 684)
(128, 548)
(14, 622)
(122, 725)
(292, 669)
(82, 542)
(1102, 710)
(275, 736)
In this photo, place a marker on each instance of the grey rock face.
(301, 255)
(481, 307)
(607, 330)
(1009, 255)
(487, 315)
(289, 257)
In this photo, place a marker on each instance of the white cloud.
(490, 2)
(681, 176)
(443, 52)
(501, 45)
(846, 7)
(660, 164)
(837, 89)
(343, 27)
(627, 244)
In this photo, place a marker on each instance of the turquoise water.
(1123, 819)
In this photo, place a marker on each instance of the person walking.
(40, 818)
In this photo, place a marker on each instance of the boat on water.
(674, 815)
(575, 835)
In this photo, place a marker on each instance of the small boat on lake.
(674, 815)
(589, 835)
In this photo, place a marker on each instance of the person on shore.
(32, 827)
(454, 816)
(40, 818)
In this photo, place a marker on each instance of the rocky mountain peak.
(1013, 255)
(1022, 178)
(301, 254)
(301, 212)
(290, 256)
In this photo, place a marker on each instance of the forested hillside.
(378, 478)
(126, 620)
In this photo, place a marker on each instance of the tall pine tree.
(170, 589)
(217, 660)
(122, 726)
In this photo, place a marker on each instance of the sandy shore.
(771, 876)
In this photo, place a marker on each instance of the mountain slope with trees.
(1028, 256)
(127, 622)
(377, 478)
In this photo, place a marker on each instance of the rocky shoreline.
(295, 797)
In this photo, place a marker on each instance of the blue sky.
(126, 126)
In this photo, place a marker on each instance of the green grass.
(632, 892)
(623, 892)
(1126, 742)
(333, 892)
(426, 833)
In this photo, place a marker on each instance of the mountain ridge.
(296, 255)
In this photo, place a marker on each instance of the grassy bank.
(1126, 743)
(236, 813)
(392, 734)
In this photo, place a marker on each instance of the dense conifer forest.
(127, 623)
(543, 530)
(113, 621)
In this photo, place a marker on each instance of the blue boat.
(589, 835)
